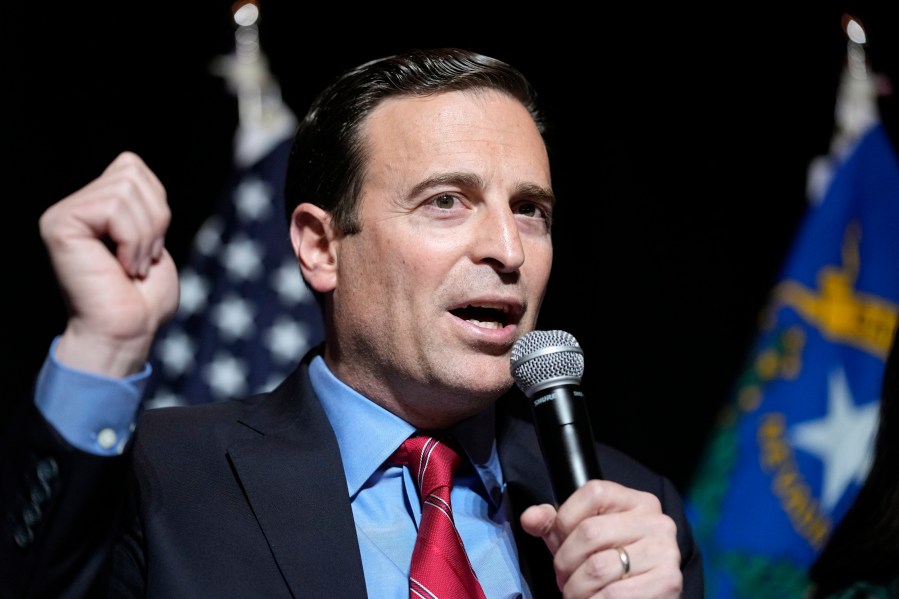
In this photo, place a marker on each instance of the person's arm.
(94, 413)
(64, 478)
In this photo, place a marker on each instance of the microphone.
(547, 366)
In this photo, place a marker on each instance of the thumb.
(539, 521)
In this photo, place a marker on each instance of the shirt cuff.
(94, 413)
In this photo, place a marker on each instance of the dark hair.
(864, 546)
(327, 161)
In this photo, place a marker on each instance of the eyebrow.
(536, 192)
(469, 180)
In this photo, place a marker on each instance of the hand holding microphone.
(547, 366)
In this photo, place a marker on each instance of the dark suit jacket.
(236, 499)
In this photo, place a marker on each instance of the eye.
(444, 201)
(528, 209)
(533, 210)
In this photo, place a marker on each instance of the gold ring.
(625, 560)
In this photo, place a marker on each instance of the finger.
(588, 560)
(649, 576)
(602, 497)
(592, 542)
(654, 557)
(596, 573)
(126, 207)
(140, 239)
(594, 497)
(625, 518)
(162, 295)
(136, 234)
(131, 166)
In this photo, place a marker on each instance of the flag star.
(286, 339)
(236, 273)
(842, 439)
(288, 282)
(209, 237)
(226, 376)
(253, 199)
(194, 291)
(242, 258)
(233, 317)
(275, 377)
(176, 353)
(164, 398)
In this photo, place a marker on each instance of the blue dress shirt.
(387, 526)
(94, 413)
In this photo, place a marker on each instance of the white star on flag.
(245, 316)
(243, 258)
(842, 439)
(253, 199)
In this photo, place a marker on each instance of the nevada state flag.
(789, 454)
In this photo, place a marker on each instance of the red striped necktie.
(440, 568)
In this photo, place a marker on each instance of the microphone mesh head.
(544, 358)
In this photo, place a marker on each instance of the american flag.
(245, 316)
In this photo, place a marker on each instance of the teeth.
(485, 324)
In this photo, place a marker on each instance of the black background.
(680, 143)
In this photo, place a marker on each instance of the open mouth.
(486, 317)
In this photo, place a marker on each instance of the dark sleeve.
(691, 559)
(60, 508)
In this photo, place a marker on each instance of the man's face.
(453, 258)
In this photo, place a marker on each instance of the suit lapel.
(295, 484)
(294, 481)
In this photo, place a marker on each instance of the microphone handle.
(566, 438)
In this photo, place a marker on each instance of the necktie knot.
(432, 461)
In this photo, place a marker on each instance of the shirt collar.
(367, 434)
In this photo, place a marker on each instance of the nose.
(499, 240)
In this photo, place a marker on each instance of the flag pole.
(263, 117)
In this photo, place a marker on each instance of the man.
(420, 207)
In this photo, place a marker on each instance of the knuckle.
(650, 502)
(594, 489)
(598, 568)
(128, 158)
(672, 581)
(45, 222)
(124, 187)
(590, 531)
(665, 525)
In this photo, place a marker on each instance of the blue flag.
(791, 451)
(245, 317)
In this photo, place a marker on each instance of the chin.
(486, 390)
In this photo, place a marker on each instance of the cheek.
(388, 268)
(429, 256)
(539, 261)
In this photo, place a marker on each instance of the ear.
(312, 237)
